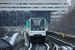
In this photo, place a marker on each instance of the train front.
(38, 30)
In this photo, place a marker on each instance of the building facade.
(17, 12)
(72, 6)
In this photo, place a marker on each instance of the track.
(59, 42)
(51, 44)
(39, 46)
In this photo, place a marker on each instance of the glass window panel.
(20, 3)
(57, 7)
(25, 3)
(3, 10)
(44, 7)
(12, 15)
(0, 22)
(12, 10)
(19, 16)
(13, 3)
(0, 3)
(52, 3)
(65, 3)
(18, 11)
(21, 7)
(0, 16)
(5, 23)
(50, 7)
(19, 22)
(64, 11)
(35, 7)
(27, 15)
(37, 24)
(5, 15)
(5, 3)
(17, 3)
(28, 7)
(13, 7)
(13, 23)
(37, 3)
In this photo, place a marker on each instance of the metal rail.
(39, 46)
(59, 42)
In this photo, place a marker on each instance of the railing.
(64, 37)
(15, 42)
(5, 45)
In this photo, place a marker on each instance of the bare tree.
(66, 23)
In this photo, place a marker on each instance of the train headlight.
(41, 29)
(33, 29)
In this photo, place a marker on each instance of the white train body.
(37, 27)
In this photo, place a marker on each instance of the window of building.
(59, 11)
(5, 23)
(32, 3)
(13, 3)
(6, 7)
(28, 7)
(3, 10)
(54, 14)
(35, 7)
(19, 22)
(61, 14)
(5, 15)
(25, 7)
(65, 3)
(9, 3)
(18, 11)
(57, 7)
(52, 3)
(37, 3)
(20, 3)
(42, 3)
(19, 16)
(44, 7)
(27, 15)
(17, 3)
(12, 15)
(5, 3)
(60, 3)
(64, 11)
(64, 7)
(25, 3)
(0, 22)
(0, 16)
(13, 7)
(0, 3)
(20, 7)
(13, 23)
(12, 10)
(50, 7)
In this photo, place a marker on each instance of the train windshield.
(37, 24)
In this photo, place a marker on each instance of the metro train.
(36, 29)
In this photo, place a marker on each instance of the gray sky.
(69, 1)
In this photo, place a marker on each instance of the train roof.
(35, 18)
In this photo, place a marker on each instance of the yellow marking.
(24, 36)
(63, 35)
